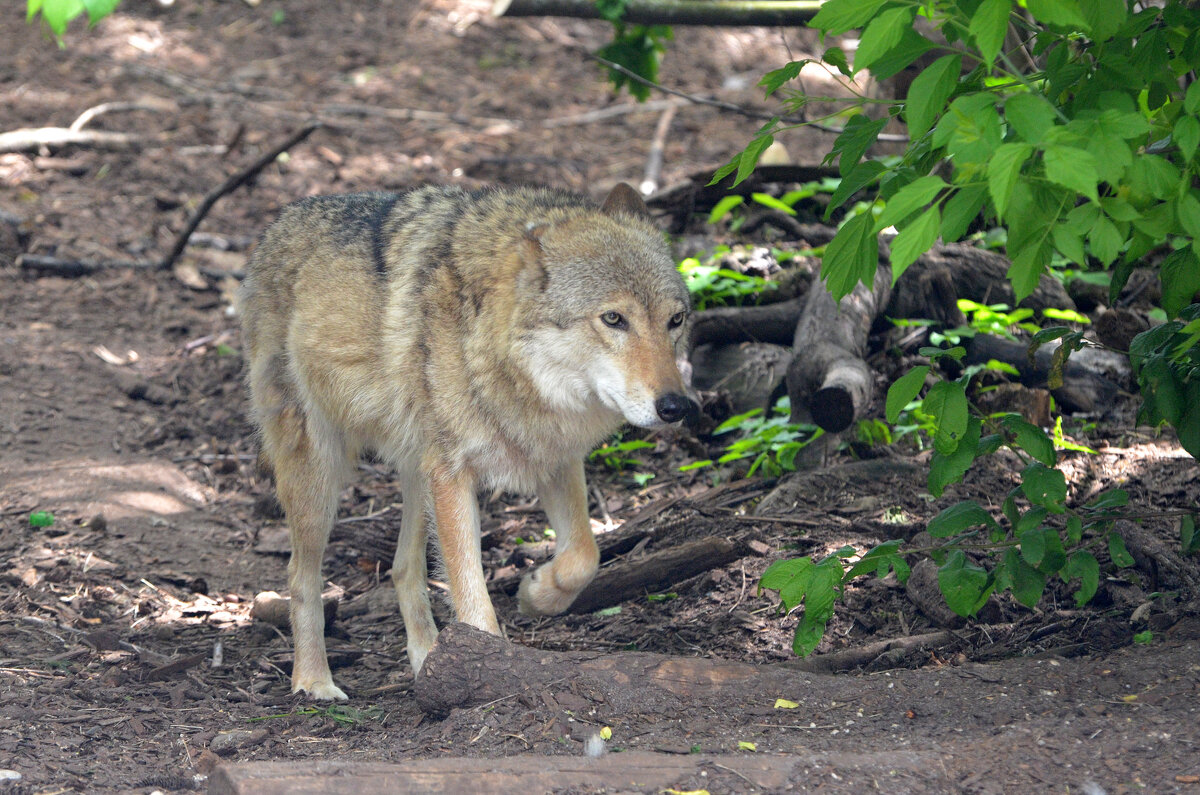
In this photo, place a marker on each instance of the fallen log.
(828, 378)
(654, 573)
(1083, 390)
(785, 13)
(729, 325)
(468, 667)
(629, 771)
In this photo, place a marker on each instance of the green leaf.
(908, 199)
(1083, 564)
(838, 16)
(859, 177)
(1117, 551)
(1027, 584)
(1031, 439)
(723, 207)
(989, 24)
(929, 91)
(767, 200)
(1045, 487)
(1069, 244)
(1072, 168)
(41, 519)
(750, 155)
(58, 13)
(858, 134)
(882, 34)
(99, 9)
(947, 469)
(1189, 540)
(1003, 170)
(912, 45)
(914, 240)
(774, 80)
(947, 402)
(1154, 175)
(1031, 115)
(852, 256)
(1104, 16)
(1191, 100)
(959, 517)
(1187, 136)
(964, 585)
(1105, 240)
(1188, 209)
(960, 210)
(1058, 12)
(903, 390)
(1180, 275)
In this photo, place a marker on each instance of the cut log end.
(832, 408)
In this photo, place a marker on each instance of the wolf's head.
(610, 315)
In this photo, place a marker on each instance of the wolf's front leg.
(456, 513)
(553, 587)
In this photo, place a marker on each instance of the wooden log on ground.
(728, 325)
(656, 572)
(1083, 390)
(468, 667)
(630, 771)
(789, 13)
(973, 273)
(828, 378)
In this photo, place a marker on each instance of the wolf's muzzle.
(671, 407)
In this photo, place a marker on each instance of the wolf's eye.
(614, 319)
(677, 319)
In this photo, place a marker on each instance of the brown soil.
(121, 412)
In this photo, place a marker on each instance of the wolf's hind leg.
(552, 588)
(409, 572)
(309, 469)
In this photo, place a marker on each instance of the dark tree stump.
(828, 378)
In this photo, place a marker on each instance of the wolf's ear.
(531, 254)
(624, 199)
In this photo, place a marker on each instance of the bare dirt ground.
(128, 660)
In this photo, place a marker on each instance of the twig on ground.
(86, 117)
(654, 159)
(34, 138)
(231, 184)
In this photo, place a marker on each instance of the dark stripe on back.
(378, 240)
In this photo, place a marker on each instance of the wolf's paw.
(321, 691)
(538, 595)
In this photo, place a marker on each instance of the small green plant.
(57, 14)
(712, 285)
(616, 454)
(772, 442)
(785, 204)
(41, 519)
(1166, 363)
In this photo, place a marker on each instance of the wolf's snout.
(671, 407)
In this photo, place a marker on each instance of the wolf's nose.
(671, 407)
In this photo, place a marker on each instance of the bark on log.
(972, 273)
(789, 13)
(468, 667)
(630, 771)
(1083, 390)
(729, 325)
(748, 373)
(655, 572)
(828, 378)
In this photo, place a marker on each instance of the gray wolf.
(472, 339)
